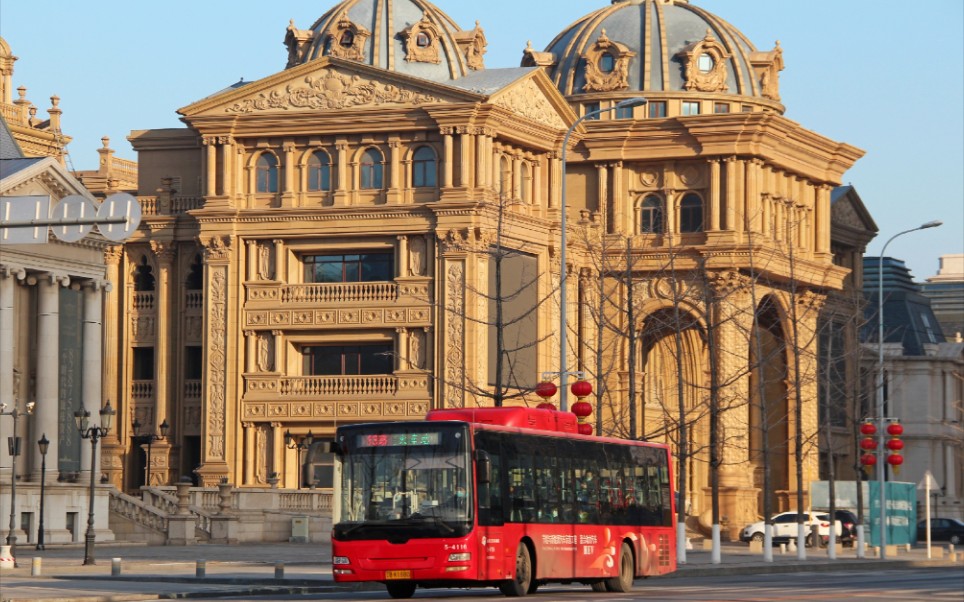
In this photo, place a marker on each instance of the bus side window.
(490, 494)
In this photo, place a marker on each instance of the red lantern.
(585, 429)
(895, 445)
(895, 460)
(868, 429)
(894, 429)
(582, 409)
(546, 389)
(868, 443)
(868, 459)
(581, 388)
(545, 405)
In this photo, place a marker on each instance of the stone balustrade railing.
(340, 292)
(140, 512)
(345, 386)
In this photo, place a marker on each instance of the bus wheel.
(402, 589)
(624, 582)
(599, 586)
(519, 586)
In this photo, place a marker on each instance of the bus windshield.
(411, 480)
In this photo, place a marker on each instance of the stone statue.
(417, 256)
(415, 350)
(264, 359)
(264, 262)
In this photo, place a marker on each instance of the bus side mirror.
(483, 467)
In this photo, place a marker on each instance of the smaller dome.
(406, 36)
(658, 47)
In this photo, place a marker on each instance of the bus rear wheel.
(519, 585)
(627, 572)
(400, 590)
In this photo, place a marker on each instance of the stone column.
(753, 195)
(252, 271)
(250, 351)
(395, 183)
(448, 159)
(288, 192)
(602, 184)
(280, 265)
(822, 219)
(7, 292)
(555, 180)
(481, 144)
(618, 200)
(739, 196)
(465, 140)
(249, 452)
(93, 360)
(402, 361)
(112, 345)
(277, 450)
(537, 186)
(217, 257)
(729, 165)
(46, 414)
(343, 182)
(229, 157)
(165, 253)
(279, 344)
(402, 258)
(211, 165)
(713, 199)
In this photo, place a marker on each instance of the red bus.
(506, 497)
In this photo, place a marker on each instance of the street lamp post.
(13, 447)
(301, 445)
(44, 445)
(92, 432)
(151, 438)
(881, 431)
(563, 342)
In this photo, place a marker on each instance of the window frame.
(356, 265)
(688, 106)
(371, 170)
(691, 207)
(380, 364)
(424, 170)
(266, 168)
(651, 211)
(656, 109)
(323, 168)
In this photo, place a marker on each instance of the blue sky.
(886, 76)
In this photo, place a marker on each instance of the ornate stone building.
(319, 251)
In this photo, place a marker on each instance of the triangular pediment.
(535, 98)
(26, 177)
(849, 210)
(327, 84)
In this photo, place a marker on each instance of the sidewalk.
(165, 572)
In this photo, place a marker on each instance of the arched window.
(347, 39)
(371, 170)
(691, 214)
(195, 277)
(422, 40)
(526, 179)
(651, 215)
(607, 63)
(144, 276)
(319, 171)
(266, 173)
(424, 168)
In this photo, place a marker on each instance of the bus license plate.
(398, 574)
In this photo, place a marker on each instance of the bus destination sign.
(397, 439)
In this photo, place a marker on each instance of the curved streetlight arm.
(563, 342)
(879, 385)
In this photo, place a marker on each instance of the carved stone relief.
(704, 64)
(347, 40)
(528, 100)
(422, 41)
(416, 251)
(330, 89)
(454, 335)
(607, 65)
(217, 350)
(473, 45)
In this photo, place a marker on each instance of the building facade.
(946, 292)
(51, 334)
(323, 246)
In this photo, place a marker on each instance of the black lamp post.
(302, 445)
(13, 446)
(44, 445)
(151, 438)
(82, 418)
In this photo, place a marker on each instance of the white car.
(785, 527)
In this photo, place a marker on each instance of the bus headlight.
(463, 557)
(336, 560)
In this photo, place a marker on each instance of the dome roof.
(658, 46)
(406, 36)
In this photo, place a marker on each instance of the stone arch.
(769, 403)
(664, 377)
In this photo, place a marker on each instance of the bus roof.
(529, 418)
